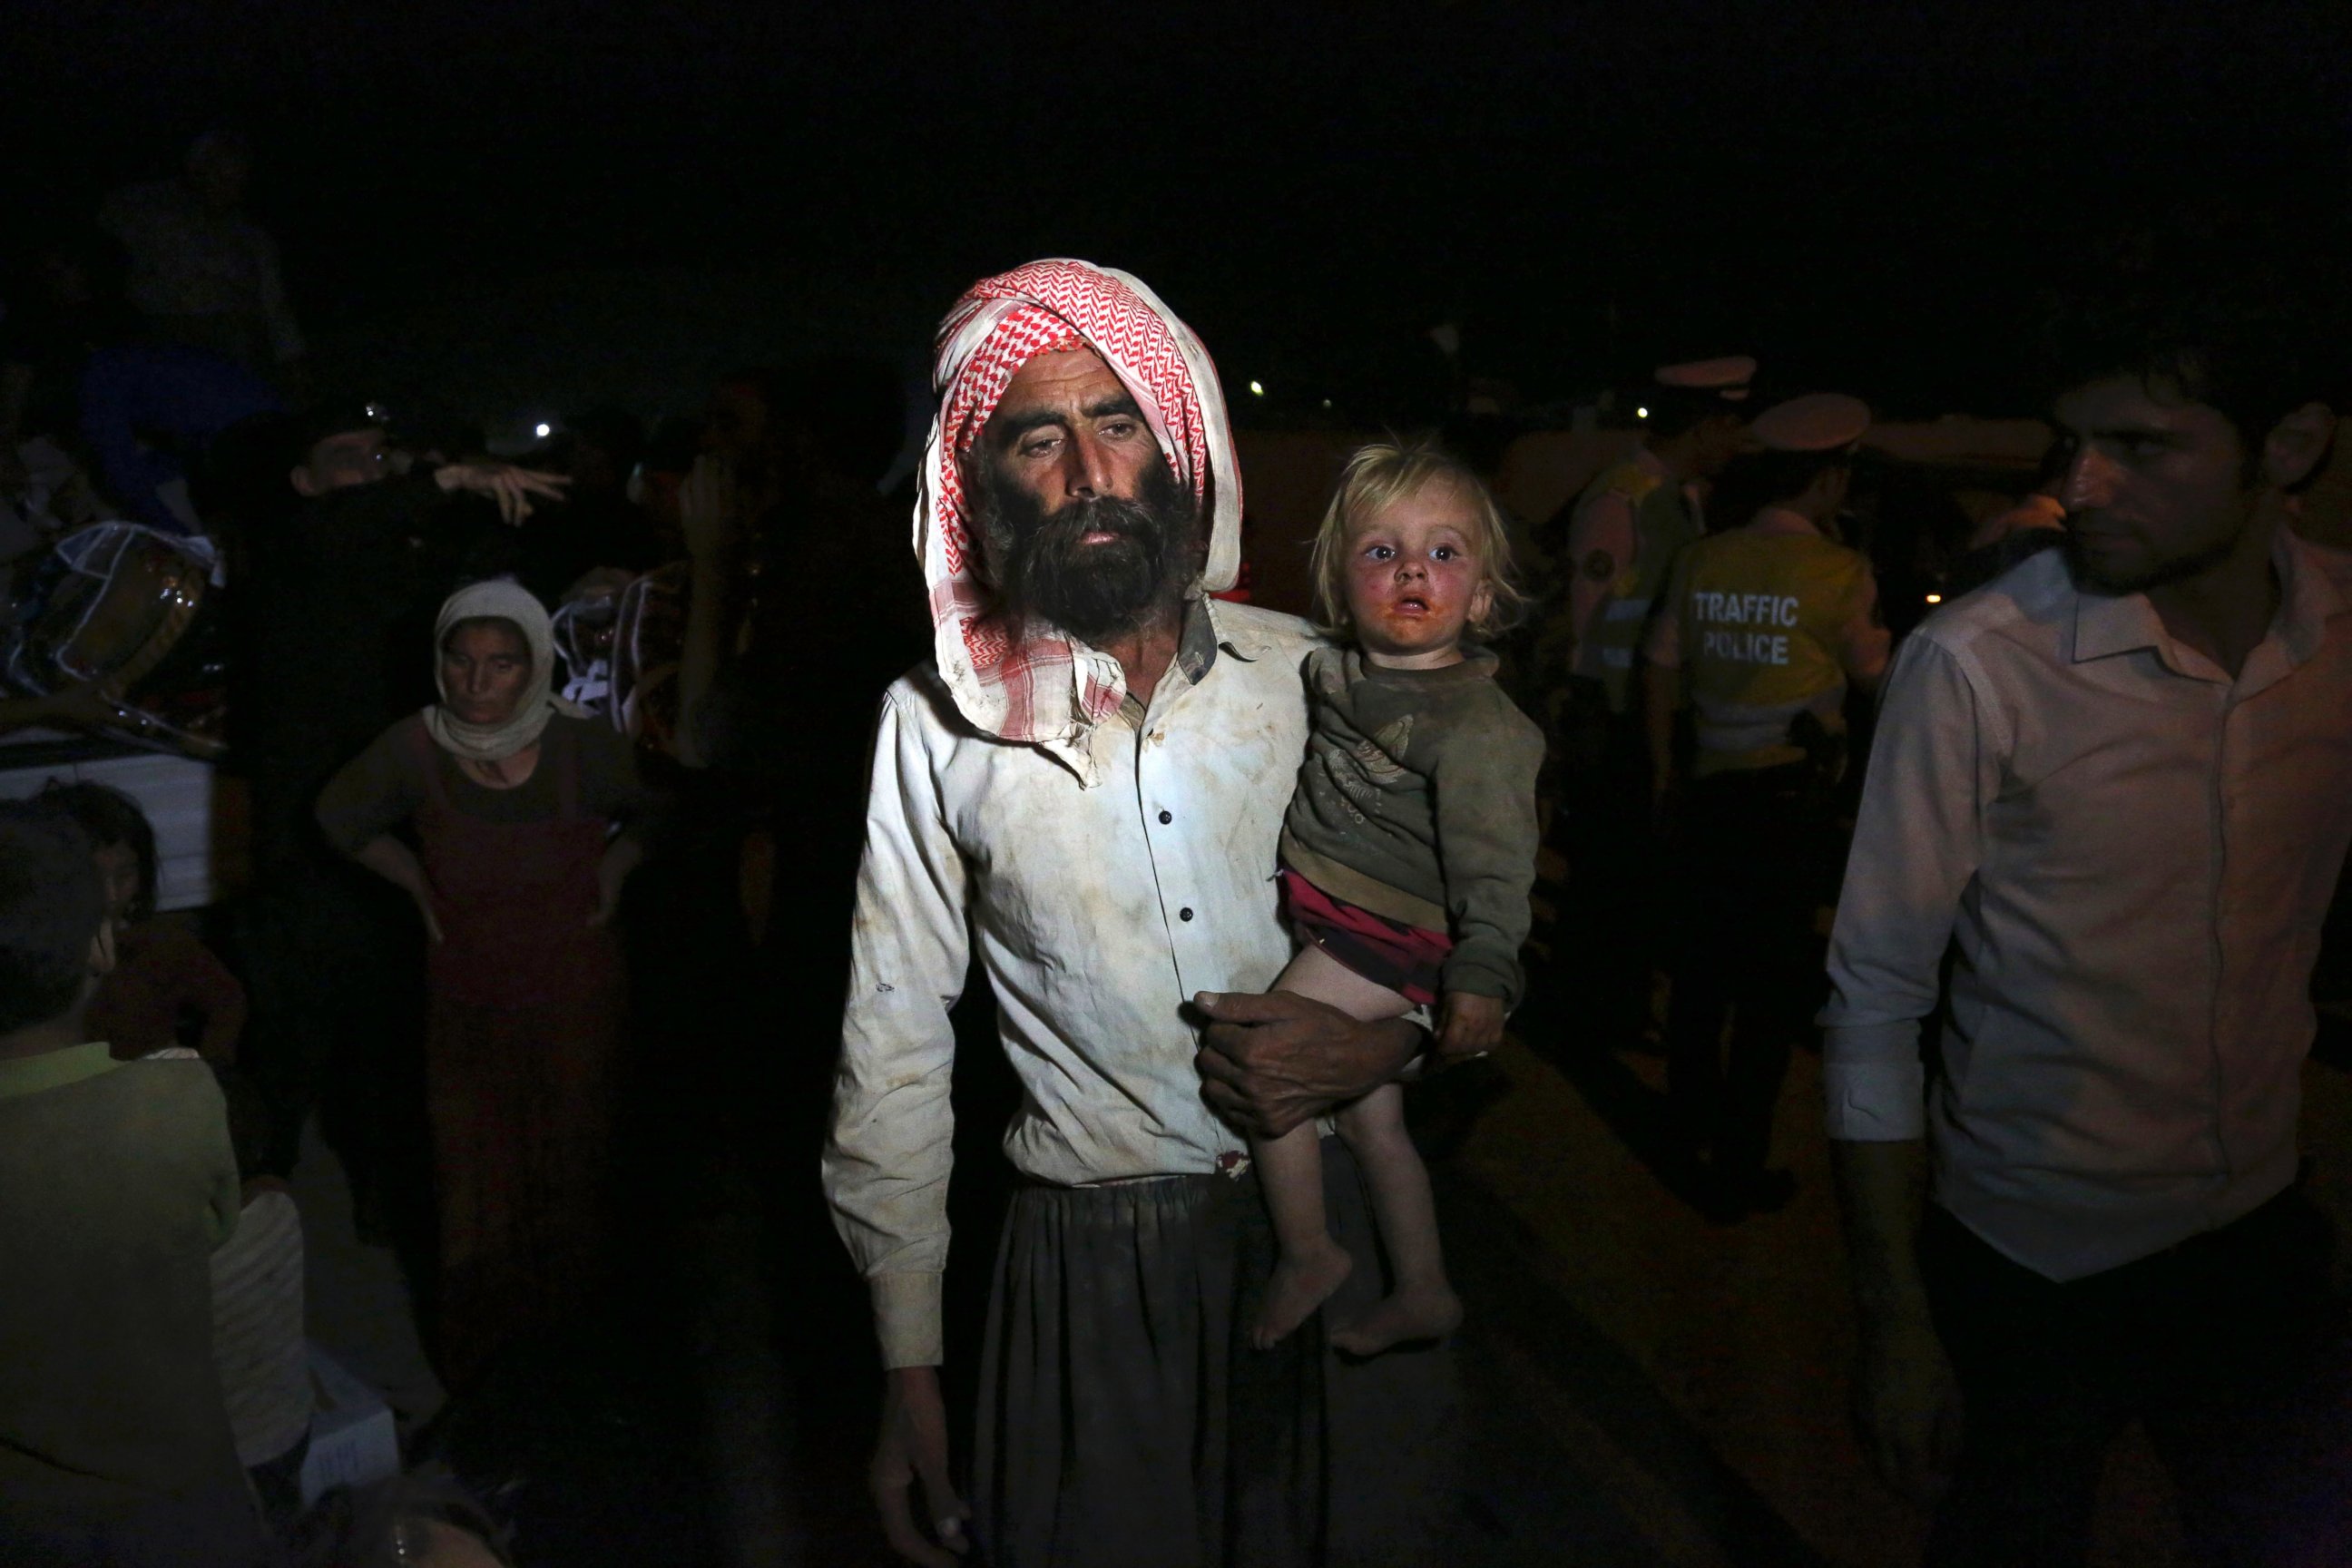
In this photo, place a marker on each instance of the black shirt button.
(1184, 914)
(1165, 818)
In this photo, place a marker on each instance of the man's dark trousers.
(1756, 853)
(2226, 1347)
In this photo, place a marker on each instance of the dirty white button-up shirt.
(2130, 855)
(1098, 911)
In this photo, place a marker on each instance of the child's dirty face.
(118, 871)
(1415, 578)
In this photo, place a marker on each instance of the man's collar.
(1196, 651)
(1196, 644)
(1777, 521)
(2108, 624)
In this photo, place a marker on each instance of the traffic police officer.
(1763, 629)
(1622, 537)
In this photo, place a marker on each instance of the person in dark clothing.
(596, 525)
(151, 412)
(786, 493)
(333, 596)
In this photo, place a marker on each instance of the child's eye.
(1380, 551)
(1443, 552)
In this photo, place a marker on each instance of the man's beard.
(2154, 575)
(1095, 592)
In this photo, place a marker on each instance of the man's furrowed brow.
(1010, 424)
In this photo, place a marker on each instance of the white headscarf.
(496, 743)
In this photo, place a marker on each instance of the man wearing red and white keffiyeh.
(1029, 679)
(1083, 790)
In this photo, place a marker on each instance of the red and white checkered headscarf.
(1050, 689)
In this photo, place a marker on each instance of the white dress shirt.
(2130, 855)
(1098, 911)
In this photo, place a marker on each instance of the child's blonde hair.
(1380, 474)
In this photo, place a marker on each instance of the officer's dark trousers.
(2225, 1347)
(1751, 868)
(1607, 941)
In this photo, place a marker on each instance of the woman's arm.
(374, 792)
(396, 863)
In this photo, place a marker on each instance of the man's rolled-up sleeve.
(1917, 843)
(888, 1161)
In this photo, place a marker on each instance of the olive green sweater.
(1417, 801)
(116, 1184)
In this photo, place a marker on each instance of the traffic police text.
(1734, 617)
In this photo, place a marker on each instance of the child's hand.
(1468, 1025)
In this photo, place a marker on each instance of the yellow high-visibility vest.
(1761, 619)
(1663, 526)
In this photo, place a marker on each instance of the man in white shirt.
(1085, 789)
(2116, 783)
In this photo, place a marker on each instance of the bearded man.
(1088, 783)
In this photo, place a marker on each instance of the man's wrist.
(1408, 1042)
(907, 1319)
(1417, 1055)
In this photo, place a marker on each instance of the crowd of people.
(1231, 878)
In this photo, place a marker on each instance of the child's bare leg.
(1312, 1265)
(1290, 1168)
(1424, 1304)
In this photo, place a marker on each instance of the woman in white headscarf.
(515, 857)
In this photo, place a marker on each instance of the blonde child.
(1407, 853)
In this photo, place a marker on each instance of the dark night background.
(530, 204)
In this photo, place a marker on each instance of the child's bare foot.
(1303, 1280)
(1419, 1314)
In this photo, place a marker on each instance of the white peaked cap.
(1817, 422)
(1727, 377)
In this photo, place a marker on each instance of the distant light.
(1935, 598)
(542, 431)
(1326, 403)
(375, 410)
(1641, 414)
(1257, 389)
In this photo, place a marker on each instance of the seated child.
(116, 1184)
(1407, 853)
(163, 973)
